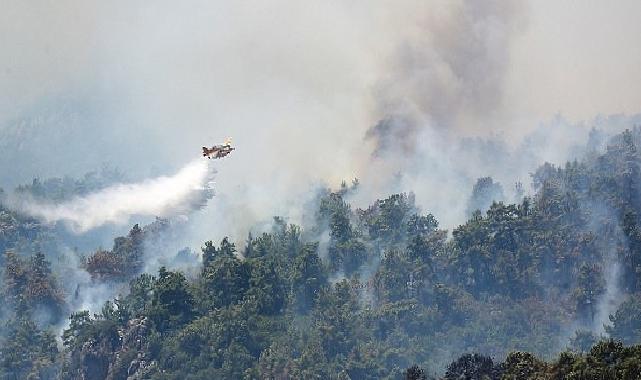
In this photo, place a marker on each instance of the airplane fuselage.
(217, 151)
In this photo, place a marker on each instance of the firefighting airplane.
(218, 151)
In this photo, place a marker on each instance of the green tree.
(308, 277)
(626, 322)
(26, 352)
(172, 304)
(225, 277)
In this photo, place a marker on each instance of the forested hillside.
(549, 287)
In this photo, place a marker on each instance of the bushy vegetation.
(390, 295)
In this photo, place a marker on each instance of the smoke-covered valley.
(405, 173)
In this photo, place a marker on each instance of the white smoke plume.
(612, 298)
(164, 196)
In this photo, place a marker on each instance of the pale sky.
(307, 75)
(579, 58)
(144, 84)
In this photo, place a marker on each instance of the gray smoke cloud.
(451, 74)
(142, 86)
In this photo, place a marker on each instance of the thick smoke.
(168, 196)
(450, 73)
(445, 81)
(153, 82)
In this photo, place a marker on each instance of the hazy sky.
(579, 58)
(297, 84)
(575, 57)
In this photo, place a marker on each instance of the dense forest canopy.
(548, 287)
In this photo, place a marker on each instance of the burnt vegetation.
(513, 293)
